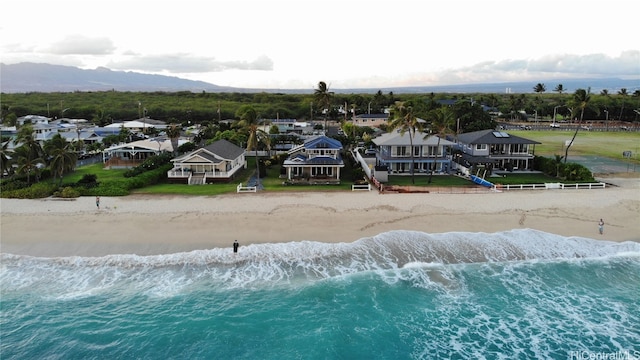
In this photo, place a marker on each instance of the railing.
(241, 188)
(548, 186)
(363, 187)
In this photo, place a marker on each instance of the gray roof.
(225, 149)
(492, 137)
(219, 149)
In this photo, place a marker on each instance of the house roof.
(318, 142)
(221, 149)
(322, 142)
(372, 116)
(492, 137)
(225, 149)
(155, 144)
(137, 124)
(395, 138)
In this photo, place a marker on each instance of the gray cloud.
(82, 45)
(626, 64)
(185, 63)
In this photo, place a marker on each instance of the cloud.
(186, 63)
(82, 45)
(626, 64)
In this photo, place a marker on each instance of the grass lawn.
(422, 180)
(97, 169)
(587, 143)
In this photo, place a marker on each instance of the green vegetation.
(587, 143)
(39, 171)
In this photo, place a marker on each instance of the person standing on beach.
(601, 227)
(98, 202)
(235, 246)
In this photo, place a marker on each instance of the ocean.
(520, 294)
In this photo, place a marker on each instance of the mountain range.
(38, 77)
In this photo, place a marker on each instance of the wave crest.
(298, 261)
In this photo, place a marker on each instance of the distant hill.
(37, 77)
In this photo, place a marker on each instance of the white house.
(217, 162)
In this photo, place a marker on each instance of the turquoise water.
(521, 294)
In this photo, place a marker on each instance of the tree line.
(103, 108)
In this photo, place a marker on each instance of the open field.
(587, 143)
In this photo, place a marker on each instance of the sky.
(345, 43)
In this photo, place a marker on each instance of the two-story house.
(394, 151)
(317, 161)
(371, 120)
(494, 150)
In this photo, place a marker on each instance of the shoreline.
(163, 224)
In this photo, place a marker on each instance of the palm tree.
(540, 88)
(404, 119)
(30, 153)
(323, 96)
(442, 119)
(61, 156)
(559, 89)
(173, 133)
(249, 121)
(623, 94)
(581, 100)
(6, 159)
(26, 163)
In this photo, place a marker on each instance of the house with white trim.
(130, 155)
(494, 150)
(394, 151)
(218, 162)
(317, 161)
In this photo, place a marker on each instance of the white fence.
(364, 187)
(241, 188)
(547, 186)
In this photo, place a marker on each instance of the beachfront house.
(130, 155)
(394, 153)
(494, 150)
(218, 162)
(317, 161)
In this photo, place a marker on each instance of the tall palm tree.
(323, 96)
(29, 154)
(61, 156)
(623, 94)
(403, 118)
(441, 119)
(249, 121)
(173, 133)
(581, 99)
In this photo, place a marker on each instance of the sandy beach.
(146, 225)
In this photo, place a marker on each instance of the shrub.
(151, 163)
(68, 192)
(88, 181)
(36, 191)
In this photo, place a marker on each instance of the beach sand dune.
(146, 225)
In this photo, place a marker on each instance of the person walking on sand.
(235, 246)
(601, 227)
(98, 202)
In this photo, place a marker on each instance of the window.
(481, 146)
